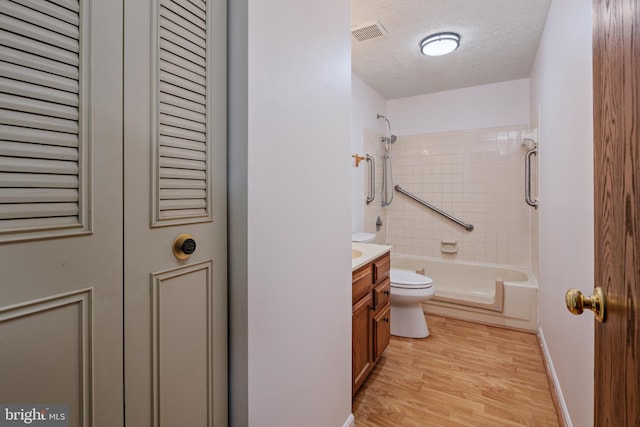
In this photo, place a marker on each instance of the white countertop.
(370, 251)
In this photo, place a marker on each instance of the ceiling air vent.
(368, 31)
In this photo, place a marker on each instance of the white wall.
(366, 105)
(290, 270)
(561, 87)
(492, 105)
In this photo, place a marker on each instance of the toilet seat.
(407, 279)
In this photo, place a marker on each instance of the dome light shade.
(440, 44)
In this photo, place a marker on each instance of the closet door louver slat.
(38, 195)
(17, 103)
(36, 180)
(197, 18)
(52, 9)
(39, 48)
(42, 148)
(168, 141)
(180, 153)
(39, 63)
(36, 32)
(181, 174)
(168, 100)
(177, 91)
(29, 75)
(19, 149)
(72, 5)
(181, 135)
(41, 18)
(182, 53)
(177, 29)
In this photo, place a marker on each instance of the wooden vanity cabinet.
(370, 317)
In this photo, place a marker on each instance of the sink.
(355, 253)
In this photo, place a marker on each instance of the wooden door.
(616, 75)
(175, 159)
(61, 207)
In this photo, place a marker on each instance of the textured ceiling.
(499, 39)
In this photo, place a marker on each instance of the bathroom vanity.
(371, 313)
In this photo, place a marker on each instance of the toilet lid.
(401, 278)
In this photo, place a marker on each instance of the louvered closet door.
(61, 207)
(175, 309)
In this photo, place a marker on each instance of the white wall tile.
(476, 175)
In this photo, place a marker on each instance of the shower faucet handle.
(358, 158)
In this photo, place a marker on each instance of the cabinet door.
(381, 331)
(362, 346)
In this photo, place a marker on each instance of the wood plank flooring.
(463, 374)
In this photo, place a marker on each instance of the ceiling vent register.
(370, 31)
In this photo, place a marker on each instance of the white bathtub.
(506, 296)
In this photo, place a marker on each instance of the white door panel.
(61, 207)
(175, 310)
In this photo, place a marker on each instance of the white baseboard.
(351, 422)
(554, 377)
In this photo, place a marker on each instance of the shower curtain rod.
(462, 224)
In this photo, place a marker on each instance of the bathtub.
(498, 295)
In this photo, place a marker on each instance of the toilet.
(408, 291)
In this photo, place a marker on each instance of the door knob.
(577, 302)
(184, 246)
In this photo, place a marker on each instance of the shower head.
(380, 116)
(390, 139)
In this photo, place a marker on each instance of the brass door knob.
(184, 246)
(577, 302)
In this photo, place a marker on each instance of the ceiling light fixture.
(440, 44)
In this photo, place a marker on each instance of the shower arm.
(380, 116)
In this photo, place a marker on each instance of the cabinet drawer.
(381, 268)
(381, 293)
(361, 283)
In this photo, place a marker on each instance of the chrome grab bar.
(462, 224)
(527, 178)
(372, 178)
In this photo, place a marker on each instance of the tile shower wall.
(475, 175)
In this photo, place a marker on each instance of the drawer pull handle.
(386, 292)
(386, 319)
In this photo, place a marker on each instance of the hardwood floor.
(463, 374)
